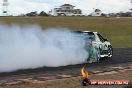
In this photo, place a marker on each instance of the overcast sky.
(24, 6)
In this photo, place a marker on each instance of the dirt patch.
(74, 82)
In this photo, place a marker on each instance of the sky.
(87, 6)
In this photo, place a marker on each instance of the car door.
(103, 45)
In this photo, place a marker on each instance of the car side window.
(91, 36)
(101, 38)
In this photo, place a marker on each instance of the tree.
(32, 14)
(43, 14)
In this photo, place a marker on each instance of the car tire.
(98, 54)
(110, 51)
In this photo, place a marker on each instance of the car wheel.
(98, 54)
(94, 55)
(110, 52)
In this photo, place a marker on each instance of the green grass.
(117, 30)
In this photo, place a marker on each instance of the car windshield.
(90, 35)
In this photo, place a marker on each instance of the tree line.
(43, 13)
(35, 13)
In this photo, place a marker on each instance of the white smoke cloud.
(31, 47)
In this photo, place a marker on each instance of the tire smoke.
(32, 47)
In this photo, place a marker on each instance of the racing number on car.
(103, 46)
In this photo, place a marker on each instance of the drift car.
(97, 46)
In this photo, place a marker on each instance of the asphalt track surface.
(120, 56)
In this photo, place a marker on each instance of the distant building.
(66, 10)
(113, 14)
(97, 12)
